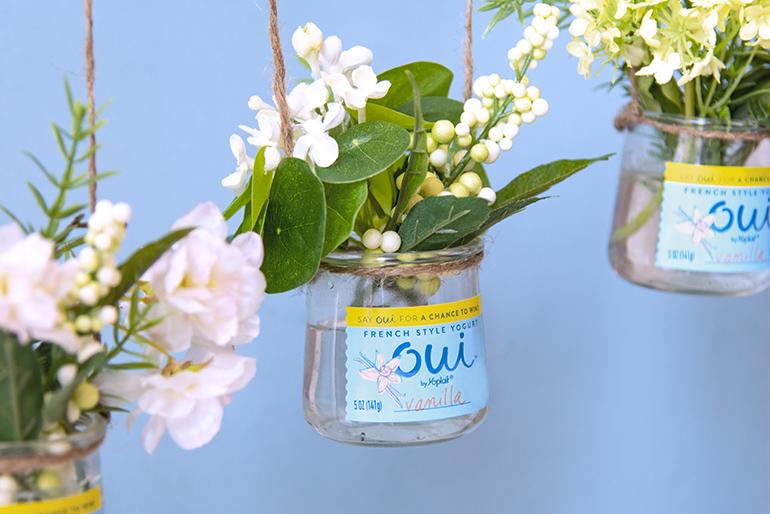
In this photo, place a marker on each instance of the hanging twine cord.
(633, 115)
(468, 49)
(90, 64)
(376, 270)
(279, 81)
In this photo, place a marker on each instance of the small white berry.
(462, 129)
(494, 151)
(496, 134)
(465, 141)
(471, 181)
(539, 54)
(372, 239)
(488, 194)
(89, 294)
(66, 374)
(540, 107)
(459, 190)
(468, 118)
(519, 90)
(121, 212)
(505, 144)
(524, 46)
(528, 117)
(488, 102)
(391, 242)
(482, 116)
(494, 79)
(109, 277)
(438, 158)
(523, 104)
(542, 10)
(108, 315)
(533, 93)
(479, 152)
(510, 130)
(443, 131)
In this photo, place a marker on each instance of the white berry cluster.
(388, 241)
(98, 271)
(538, 38)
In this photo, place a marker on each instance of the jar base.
(687, 282)
(396, 434)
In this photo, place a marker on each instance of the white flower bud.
(443, 131)
(500, 91)
(458, 190)
(109, 277)
(457, 157)
(391, 242)
(524, 46)
(515, 118)
(461, 129)
(472, 104)
(494, 151)
(479, 84)
(482, 116)
(307, 40)
(479, 152)
(103, 242)
(103, 207)
(82, 279)
(505, 144)
(468, 118)
(528, 117)
(108, 315)
(438, 158)
(540, 107)
(89, 294)
(540, 25)
(541, 10)
(519, 90)
(522, 104)
(121, 212)
(539, 54)
(471, 181)
(533, 93)
(555, 13)
(514, 55)
(83, 324)
(488, 91)
(488, 194)
(495, 134)
(553, 33)
(510, 130)
(66, 374)
(533, 64)
(494, 79)
(548, 44)
(536, 40)
(89, 350)
(372, 239)
(488, 102)
(465, 141)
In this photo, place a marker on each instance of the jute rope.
(90, 63)
(406, 269)
(279, 81)
(633, 115)
(468, 48)
(21, 464)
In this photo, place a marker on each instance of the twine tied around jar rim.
(406, 269)
(21, 464)
(633, 115)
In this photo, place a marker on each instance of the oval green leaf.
(343, 201)
(433, 79)
(439, 221)
(435, 108)
(366, 150)
(21, 391)
(295, 223)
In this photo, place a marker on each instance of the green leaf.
(140, 261)
(498, 214)
(21, 391)
(417, 166)
(343, 201)
(383, 189)
(439, 221)
(432, 78)
(239, 201)
(376, 112)
(435, 108)
(542, 178)
(366, 150)
(55, 408)
(295, 223)
(259, 186)
(638, 221)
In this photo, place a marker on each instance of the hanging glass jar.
(692, 213)
(395, 347)
(58, 475)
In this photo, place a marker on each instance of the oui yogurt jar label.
(714, 218)
(415, 363)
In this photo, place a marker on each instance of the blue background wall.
(607, 398)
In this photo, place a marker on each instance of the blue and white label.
(714, 219)
(415, 363)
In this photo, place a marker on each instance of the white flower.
(32, 285)
(237, 179)
(578, 49)
(315, 140)
(661, 67)
(362, 86)
(307, 41)
(305, 99)
(208, 291)
(268, 134)
(186, 398)
(333, 59)
(648, 30)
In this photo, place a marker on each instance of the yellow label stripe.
(83, 503)
(388, 317)
(706, 175)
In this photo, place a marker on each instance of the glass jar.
(56, 475)
(691, 213)
(395, 347)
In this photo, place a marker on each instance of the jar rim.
(710, 124)
(88, 430)
(357, 258)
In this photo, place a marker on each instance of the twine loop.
(633, 115)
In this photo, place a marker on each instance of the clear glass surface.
(51, 481)
(325, 353)
(634, 237)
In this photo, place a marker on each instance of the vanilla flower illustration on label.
(415, 363)
(714, 218)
